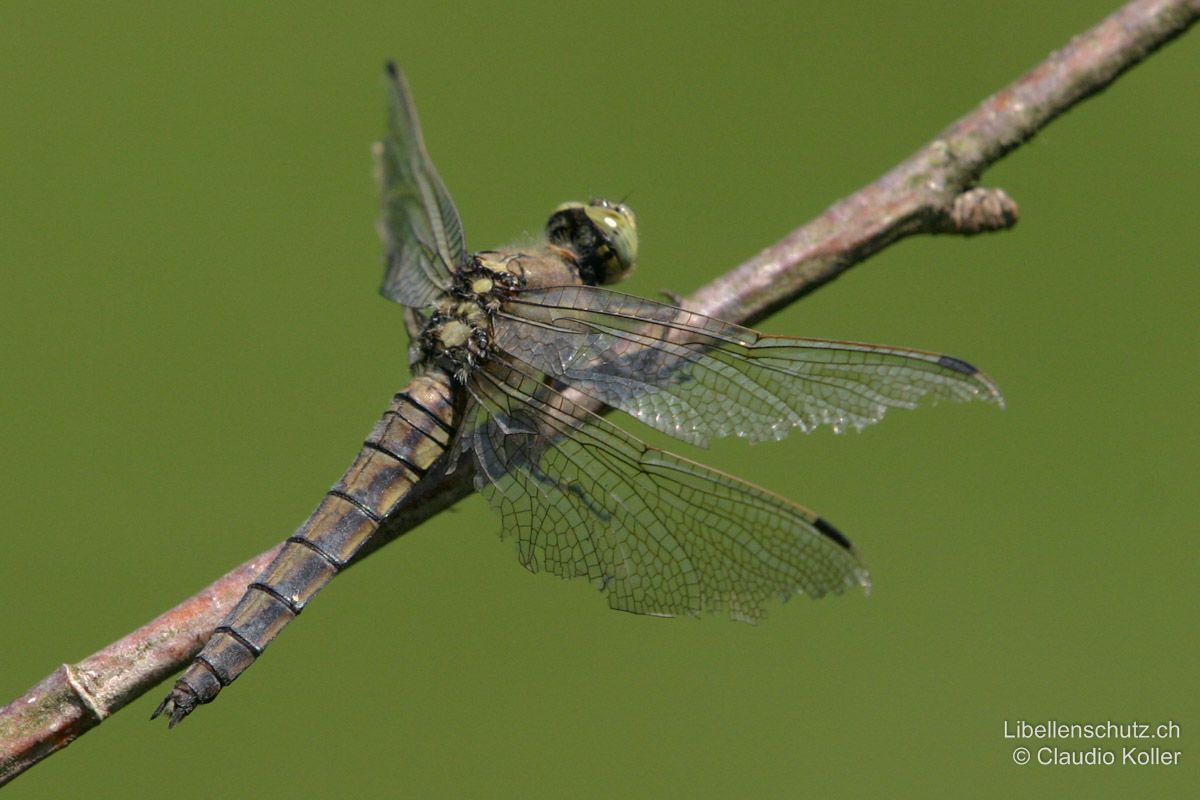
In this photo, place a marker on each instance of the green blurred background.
(193, 349)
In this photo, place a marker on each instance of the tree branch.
(930, 192)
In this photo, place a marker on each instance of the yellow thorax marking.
(454, 333)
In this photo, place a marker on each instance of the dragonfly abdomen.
(407, 440)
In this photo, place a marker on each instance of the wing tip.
(391, 69)
(859, 575)
(863, 579)
(958, 365)
(825, 527)
(972, 371)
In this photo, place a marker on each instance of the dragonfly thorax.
(458, 335)
(456, 338)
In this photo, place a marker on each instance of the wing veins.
(659, 482)
(793, 382)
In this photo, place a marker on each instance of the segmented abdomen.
(406, 441)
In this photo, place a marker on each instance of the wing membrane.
(696, 377)
(658, 534)
(419, 225)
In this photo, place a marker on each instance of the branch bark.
(931, 192)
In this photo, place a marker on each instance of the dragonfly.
(513, 352)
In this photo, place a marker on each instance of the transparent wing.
(419, 225)
(658, 534)
(695, 377)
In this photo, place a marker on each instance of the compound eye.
(618, 228)
(602, 235)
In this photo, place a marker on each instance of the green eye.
(620, 225)
(602, 235)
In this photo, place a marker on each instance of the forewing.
(658, 534)
(419, 225)
(696, 377)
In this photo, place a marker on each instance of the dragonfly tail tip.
(176, 706)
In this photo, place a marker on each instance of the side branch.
(920, 194)
(930, 192)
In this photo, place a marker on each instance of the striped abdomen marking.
(410, 436)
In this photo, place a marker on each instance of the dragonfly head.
(602, 234)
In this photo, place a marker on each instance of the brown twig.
(930, 192)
